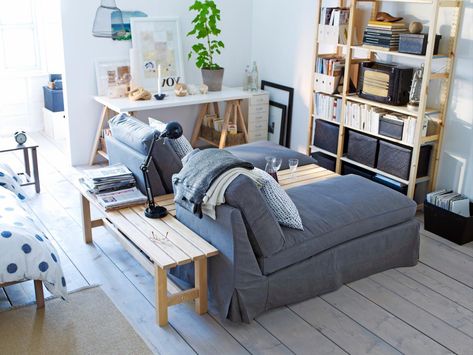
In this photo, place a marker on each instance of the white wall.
(81, 49)
(283, 41)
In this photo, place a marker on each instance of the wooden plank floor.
(426, 309)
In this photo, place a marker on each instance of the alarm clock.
(20, 137)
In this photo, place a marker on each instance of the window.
(19, 43)
(30, 48)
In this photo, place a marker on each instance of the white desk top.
(124, 105)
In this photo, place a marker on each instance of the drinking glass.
(277, 162)
(293, 163)
(270, 167)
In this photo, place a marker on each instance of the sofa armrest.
(120, 153)
(234, 268)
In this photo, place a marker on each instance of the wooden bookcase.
(351, 52)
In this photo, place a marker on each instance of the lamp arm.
(145, 170)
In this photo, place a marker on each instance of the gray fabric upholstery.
(132, 132)
(121, 153)
(240, 291)
(335, 211)
(263, 229)
(256, 152)
(130, 145)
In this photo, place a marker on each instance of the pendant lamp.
(108, 21)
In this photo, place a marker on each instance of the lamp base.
(156, 212)
(159, 97)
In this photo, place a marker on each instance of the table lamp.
(173, 130)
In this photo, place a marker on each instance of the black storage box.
(324, 160)
(326, 136)
(416, 43)
(395, 185)
(448, 225)
(362, 148)
(348, 169)
(396, 160)
(391, 128)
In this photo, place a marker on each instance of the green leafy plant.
(205, 28)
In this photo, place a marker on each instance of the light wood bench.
(159, 245)
(167, 243)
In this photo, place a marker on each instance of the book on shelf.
(121, 198)
(383, 35)
(327, 107)
(389, 25)
(334, 16)
(107, 179)
(332, 66)
(366, 118)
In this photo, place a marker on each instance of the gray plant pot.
(213, 78)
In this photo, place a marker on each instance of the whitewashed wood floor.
(426, 309)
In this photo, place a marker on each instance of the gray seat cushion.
(132, 132)
(336, 211)
(256, 152)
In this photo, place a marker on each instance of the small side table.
(9, 145)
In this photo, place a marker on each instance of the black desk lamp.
(173, 130)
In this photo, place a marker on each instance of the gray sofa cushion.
(336, 211)
(256, 152)
(263, 230)
(132, 132)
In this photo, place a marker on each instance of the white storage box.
(55, 124)
(332, 34)
(326, 84)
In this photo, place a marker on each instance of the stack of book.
(332, 66)
(451, 201)
(328, 107)
(114, 186)
(383, 35)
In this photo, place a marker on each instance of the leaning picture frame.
(277, 123)
(157, 41)
(108, 72)
(282, 95)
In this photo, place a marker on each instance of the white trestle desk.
(232, 97)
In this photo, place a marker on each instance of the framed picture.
(282, 95)
(277, 122)
(157, 41)
(107, 72)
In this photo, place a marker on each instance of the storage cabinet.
(257, 117)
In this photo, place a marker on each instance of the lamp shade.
(108, 22)
(173, 130)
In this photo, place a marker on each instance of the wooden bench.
(161, 244)
(38, 290)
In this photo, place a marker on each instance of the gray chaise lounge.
(353, 228)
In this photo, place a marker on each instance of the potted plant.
(205, 28)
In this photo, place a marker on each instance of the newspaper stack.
(108, 179)
(121, 198)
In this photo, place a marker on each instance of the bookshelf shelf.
(399, 109)
(324, 119)
(317, 149)
(348, 52)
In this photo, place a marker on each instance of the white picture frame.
(157, 41)
(104, 69)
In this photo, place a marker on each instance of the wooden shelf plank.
(324, 119)
(102, 154)
(400, 109)
(374, 170)
(317, 149)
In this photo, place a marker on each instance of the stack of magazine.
(451, 201)
(114, 186)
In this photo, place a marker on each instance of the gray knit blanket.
(201, 168)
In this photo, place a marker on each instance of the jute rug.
(88, 323)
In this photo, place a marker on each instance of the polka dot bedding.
(11, 181)
(26, 252)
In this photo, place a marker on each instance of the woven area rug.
(88, 323)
